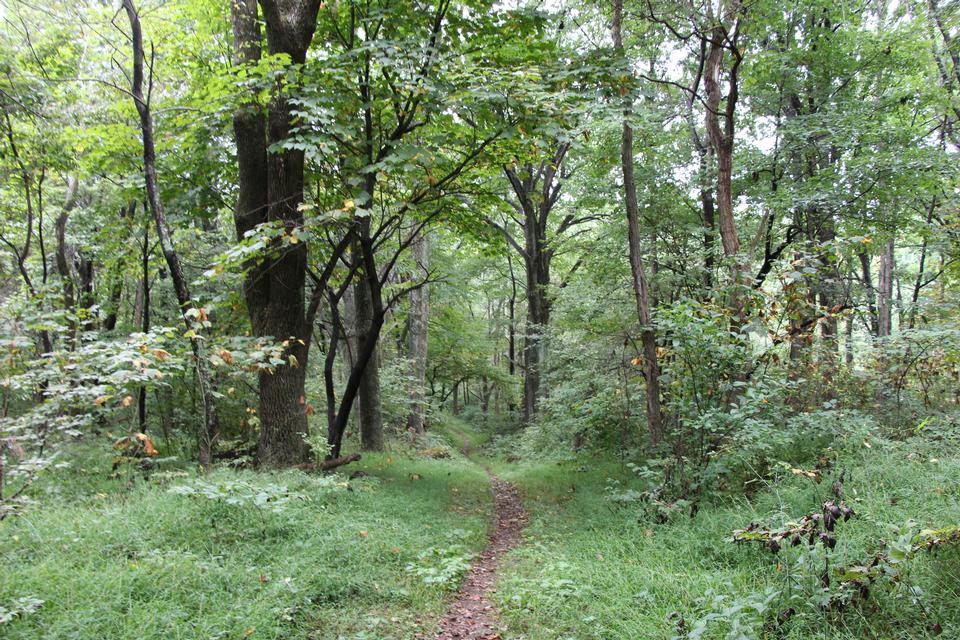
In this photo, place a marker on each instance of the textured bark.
(209, 427)
(537, 189)
(64, 256)
(417, 336)
(721, 127)
(651, 366)
(829, 298)
(370, 414)
(867, 278)
(271, 190)
(885, 293)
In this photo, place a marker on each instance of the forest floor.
(400, 546)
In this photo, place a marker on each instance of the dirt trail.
(472, 616)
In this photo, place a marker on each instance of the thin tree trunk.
(651, 365)
(63, 259)
(867, 277)
(145, 321)
(885, 297)
(721, 137)
(188, 309)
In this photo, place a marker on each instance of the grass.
(144, 562)
(591, 570)
(378, 556)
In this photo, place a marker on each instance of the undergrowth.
(602, 565)
(240, 554)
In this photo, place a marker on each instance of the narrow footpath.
(472, 616)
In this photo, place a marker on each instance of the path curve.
(472, 615)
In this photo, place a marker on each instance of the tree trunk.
(651, 367)
(885, 297)
(720, 128)
(371, 416)
(64, 255)
(271, 190)
(867, 279)
(188, 309)
(144, 320)
(417, 337)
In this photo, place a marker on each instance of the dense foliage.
(711, 249)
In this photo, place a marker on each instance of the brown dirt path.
(472, 615)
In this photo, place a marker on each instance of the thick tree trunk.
(828, 295)
(417, 336)
(271, 190)
(538, 318)
(651, 366)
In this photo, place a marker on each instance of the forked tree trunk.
(271, 191)
(720, 127)
(64, 255)
(651, 367)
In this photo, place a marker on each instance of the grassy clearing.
(144, 562)
(591, 570)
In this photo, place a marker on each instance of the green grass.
(116, 560)
(144, 562)
(590, 570)
(456, 432)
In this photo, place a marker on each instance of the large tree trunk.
(651, 367)
(417, 336)
(538, 319)
(189, 310)
(828, 295)
(271, 190)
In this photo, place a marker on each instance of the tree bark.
(651, 366)
(537, 189)
(417, 337)
(885, 293)
(188, 309)
(720, 127)
(271, 191)
(370, 413)
(64, 255)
